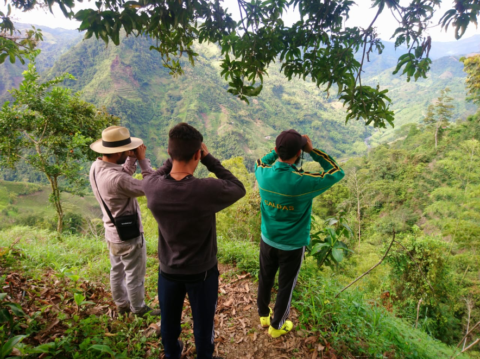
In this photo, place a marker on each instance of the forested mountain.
(131, 82)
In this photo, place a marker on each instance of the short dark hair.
(286, 153)
(183, 141)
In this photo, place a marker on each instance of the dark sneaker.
(146, 309)
(123, 310)
(181, 350)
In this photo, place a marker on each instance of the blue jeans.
(203, 300)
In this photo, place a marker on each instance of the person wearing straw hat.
(116, 191)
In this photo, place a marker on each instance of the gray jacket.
(119, 191)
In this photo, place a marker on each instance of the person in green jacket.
(286, 205)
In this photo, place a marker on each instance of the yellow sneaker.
(286, 327)
(265, 321)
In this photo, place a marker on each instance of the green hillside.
(131, 82)
(411, 99)
(28, 204)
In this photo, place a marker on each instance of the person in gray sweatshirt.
(116, 192)
(185, 207)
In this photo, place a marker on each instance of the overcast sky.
(361, 15)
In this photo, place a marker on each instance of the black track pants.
(289, 262)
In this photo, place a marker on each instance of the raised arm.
(226, 189)
(130, 187)
(130, 165)
(144, 162)
(267, 160)
(318, 182)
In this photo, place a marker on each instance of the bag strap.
(104, 204)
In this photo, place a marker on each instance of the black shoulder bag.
(127, 226)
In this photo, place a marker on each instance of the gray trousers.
(127, 274)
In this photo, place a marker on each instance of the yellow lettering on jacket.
(279, 206)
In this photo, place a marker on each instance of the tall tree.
(439, 116)
(319, 46)
(472, 68)
(50, 129)
(356, 185)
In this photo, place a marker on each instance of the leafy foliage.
(318, 46)
(439, 116)
(472, 68)
(13, 44)
(50, 130)
(330, 250)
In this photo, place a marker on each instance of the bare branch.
(468, 333)
(368, 271)
(418, 311)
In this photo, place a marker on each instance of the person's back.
(185, 211)
(116, 191)
(286, 206)
(185, 208)
(287, 194)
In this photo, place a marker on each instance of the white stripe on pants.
(127, 273)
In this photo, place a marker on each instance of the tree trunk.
(56, 201)
(436, 135)
(359, 213)
(359, 218)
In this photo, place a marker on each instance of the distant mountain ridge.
(55, 43)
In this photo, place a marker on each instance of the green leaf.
(318, 247)
(44, 348)
(7, 348)
(337, 254)
(5, 316)
(79, 298)
(15, 308)
(102, 348)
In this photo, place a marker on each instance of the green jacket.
(287, 194)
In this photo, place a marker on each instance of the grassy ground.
(345, 327)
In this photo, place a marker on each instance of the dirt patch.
(224, 109)
(446, 75)
(206, 121)
(238, 333)
(122, 76)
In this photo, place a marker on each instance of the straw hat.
(115, 139)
